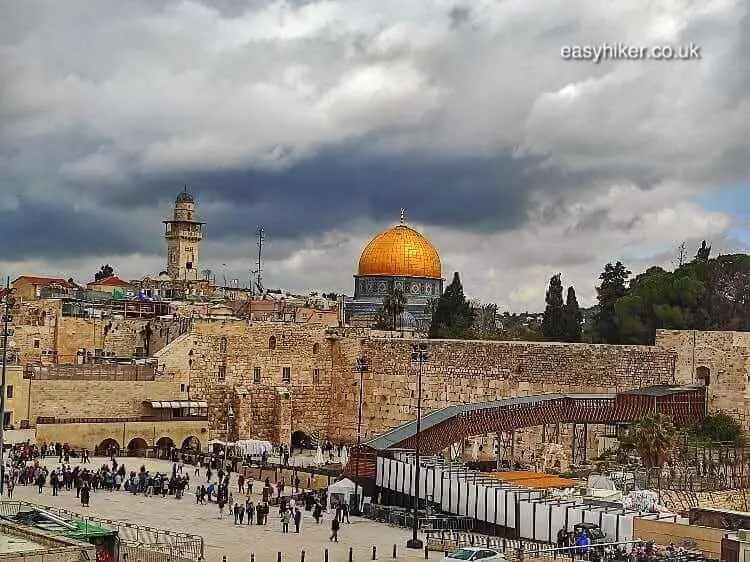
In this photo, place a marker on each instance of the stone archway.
(191, 444)
(137, 447)
(703, 375)
(164, 447)
(301, 440)
(107, 448)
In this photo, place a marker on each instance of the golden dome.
(400, 251)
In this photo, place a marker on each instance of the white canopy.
(253, 446)
(344, 486)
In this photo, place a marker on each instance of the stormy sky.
(321, 119)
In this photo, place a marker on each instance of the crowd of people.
(25, 466)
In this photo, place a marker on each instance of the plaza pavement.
(222, 537)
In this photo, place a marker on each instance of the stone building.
(403, 258)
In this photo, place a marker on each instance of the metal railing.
(52, 420)
(178, 546)
(91, 371)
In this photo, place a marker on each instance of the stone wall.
(722, 359)
(326, 405)
(97, 399)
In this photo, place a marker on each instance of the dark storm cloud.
(336, 188)
(57, 231)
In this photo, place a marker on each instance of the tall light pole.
(230, 418)
(420, 356)
(362, 365)
(8, 302)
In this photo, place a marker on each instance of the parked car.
(471, 553)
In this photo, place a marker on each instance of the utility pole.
(8, 302)
(259, 272)
(362, 366)
(419, 355)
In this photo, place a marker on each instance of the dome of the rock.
(400, 251)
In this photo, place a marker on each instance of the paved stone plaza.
(222, 537)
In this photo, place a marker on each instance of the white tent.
(341, 492)
(254, 447)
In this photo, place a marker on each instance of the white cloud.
(157, 88)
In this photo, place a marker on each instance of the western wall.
(245, 364)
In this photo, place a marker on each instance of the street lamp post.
(362, 366)
(230, 418)
(8, 303)
(420, 356)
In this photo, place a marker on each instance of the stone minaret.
(184, 235)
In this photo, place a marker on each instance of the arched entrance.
(107, 448)
(164, 447)
(137, 447)
(703, 375)
(301, 440)
(191, 445)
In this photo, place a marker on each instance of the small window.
(9, 390)
(36, 344)
(222, 372)
(272, 342)
(286, 374)
(7, 419)
(256, 374)
(182, 387)
(316, 348)
(316, 375)
(223, 346)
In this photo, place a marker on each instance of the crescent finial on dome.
(403, 215)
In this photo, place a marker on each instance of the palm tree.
(652, 437)
(394, 303)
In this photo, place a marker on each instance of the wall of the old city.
(457, 372)
(720, 358)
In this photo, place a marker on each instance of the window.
(223, 346)
(316, 375)
(182, 387)
(272, 342)
(36, 344)
(7, 419)
(9, 390)
(316, 348)
(286, 374)
(222, 372)
(256, 375)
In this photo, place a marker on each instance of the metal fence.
(402, 517)
(62, 554)
(134, 552)
(176, 547)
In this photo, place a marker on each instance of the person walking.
(85, 495)
(297, 519)
(335, 525)
(345, 512)
(317, 512)
(241, 483)
(285, 517)
(249, 510)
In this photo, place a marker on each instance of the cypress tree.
(572, 318)
(552, 323)
(453, 316)
(608, 293)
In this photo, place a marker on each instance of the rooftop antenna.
(259, 271)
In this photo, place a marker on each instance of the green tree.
(720, 428)
(572, 318)
(612, 288)
(453, 316)
(703, 252)
(552, 322)
(394, 303)
(104, 272)
(652, 437)
(485, 321)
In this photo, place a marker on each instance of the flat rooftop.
(14, 545)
